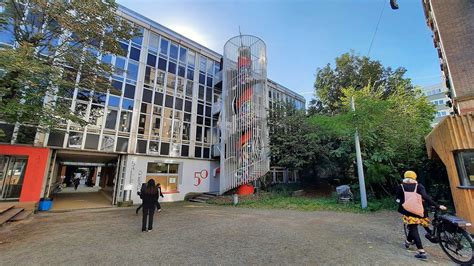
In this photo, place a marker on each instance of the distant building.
(437, 95)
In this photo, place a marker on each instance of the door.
(3, 170)
(13, 176)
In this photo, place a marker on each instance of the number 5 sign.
(199, 176)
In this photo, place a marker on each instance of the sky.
(304, 35)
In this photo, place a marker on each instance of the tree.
(289, 137)
(357, 72)
(56, 45)
(391, 128)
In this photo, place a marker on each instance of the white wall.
(187, 182)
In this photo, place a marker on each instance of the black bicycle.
(448, 231)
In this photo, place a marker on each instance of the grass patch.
(278, 201)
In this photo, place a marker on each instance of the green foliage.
(57, 43)
(391, 129)
(357, 72)
(290, 137)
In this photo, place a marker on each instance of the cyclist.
(411, 188)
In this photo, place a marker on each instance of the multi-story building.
(436, 94)
(452, 140)
(158, 124)
(279, 93)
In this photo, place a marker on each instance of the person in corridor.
(158, 205)
(149, 197)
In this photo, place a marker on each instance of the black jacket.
(149, 200)
(410, 187)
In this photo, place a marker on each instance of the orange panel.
(35, 169)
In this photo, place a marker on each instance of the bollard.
(236, 199)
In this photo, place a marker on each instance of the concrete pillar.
(98, 170)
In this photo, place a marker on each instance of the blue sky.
(302, 35)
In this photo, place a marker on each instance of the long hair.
(151, 188)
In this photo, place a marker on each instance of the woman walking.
(410, 196)
(149, 197)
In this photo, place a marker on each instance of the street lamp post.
(360, 169)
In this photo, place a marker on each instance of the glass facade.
(278, 93)
(160, 103)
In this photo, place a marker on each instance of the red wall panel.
(35, 169)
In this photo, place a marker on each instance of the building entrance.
(12, 173)
(83, 180)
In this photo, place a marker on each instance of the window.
(96, 116)
(465, 166)
(174, 51)
(165, 148)
(153, 42)
(125, 121)
(56, 139)
(122, 145)
(151, 60)
(181, 70)
(164, 46)
(169, 101)
(188, 106)
(147, 95)
(99, 98)
(141, 146)
(132, 71)
(197, 152)
(202, 79)
(186, 131)
(178, 104)
(108, 143)
(144, 124)
(198, 133)
(117, 85)
(162, 64)
(160, 81)
(154, 147)
(191, 58)
(150, 73)
(92, 142)
(189, 89)
(190, 74)
(127, 104)
(129, 91)
(202, 63)
(158, 98)
(135, 54)
(171, 67)
(164, 174)
(74, 140)
(111, 120)
(182, 55)
(184, 150)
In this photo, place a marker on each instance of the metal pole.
(360, 169)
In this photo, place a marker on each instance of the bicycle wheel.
(458, 245)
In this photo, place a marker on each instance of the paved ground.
(208, 235)
(71, 200)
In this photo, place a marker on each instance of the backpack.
(413, 202)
